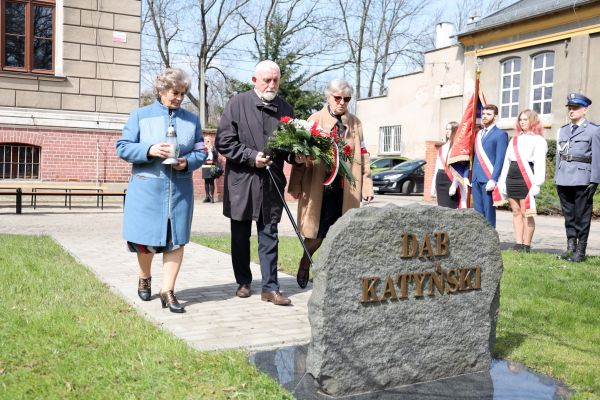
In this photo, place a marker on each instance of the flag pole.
(473, 131)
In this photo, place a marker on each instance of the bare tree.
(354, 34)
(380, 34)
(469, 9)
(217, 29)
(293, 32)
(396, 38)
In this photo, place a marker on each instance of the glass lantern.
(171, 139)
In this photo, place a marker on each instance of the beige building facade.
(416, 106)
(69, 76)
(531, 54)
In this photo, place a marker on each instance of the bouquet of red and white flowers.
(299, 136)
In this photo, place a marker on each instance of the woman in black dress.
(441, 186)
(523, 173)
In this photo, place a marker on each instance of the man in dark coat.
(577, 174)
(249, 119)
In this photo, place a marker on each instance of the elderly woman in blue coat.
(160, 197)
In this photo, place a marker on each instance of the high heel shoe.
(145, 288)
(302, 275)
(168, 299)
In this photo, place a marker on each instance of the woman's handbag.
(216, 171)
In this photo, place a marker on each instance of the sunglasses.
(339, 98)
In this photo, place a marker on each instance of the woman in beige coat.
(320, 206)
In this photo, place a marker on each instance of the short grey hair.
(338, 86)
(170, 78)
(266, 66)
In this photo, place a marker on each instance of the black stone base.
(505, 380)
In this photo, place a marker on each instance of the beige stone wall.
(100, 74)
(575, 70)
(421, 103)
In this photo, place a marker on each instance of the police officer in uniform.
(577, 174)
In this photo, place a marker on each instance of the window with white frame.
(19, 161)
(389, 139)
(542, 81)
(510, 76)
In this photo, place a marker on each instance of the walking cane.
(289, 213)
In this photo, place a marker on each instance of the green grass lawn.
(549, 312)
(64, 335)
(550, 318)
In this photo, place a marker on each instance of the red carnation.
(285, 119)
(315, 130)
(347, 150)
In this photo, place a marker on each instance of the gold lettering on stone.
(452, 281)
(465, 279)
(409, 245)
(441, 244)
(477, 278)
(369, 294)
(426, 247)
(403, 280)
(419, 280)
(389, 290)
(436, 279)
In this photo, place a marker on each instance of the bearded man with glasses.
(319, 206)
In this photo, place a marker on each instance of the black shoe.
(526, 248)
(579, 254)
(168, 299)
(302, 275)
(206, 200)
(145, 289)
(243, 291)
(571, 245)
(518, 247)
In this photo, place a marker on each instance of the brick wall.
(87, 156)
(431, 152)
(72, 155)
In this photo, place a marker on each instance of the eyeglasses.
(339, 98)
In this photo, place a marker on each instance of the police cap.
(577, 99)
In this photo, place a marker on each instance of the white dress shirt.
(532, 149)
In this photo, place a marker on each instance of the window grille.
(19, 161)
(389, 139)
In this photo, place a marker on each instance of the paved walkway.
(215, 318)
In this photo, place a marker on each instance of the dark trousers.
(483, 202)
(209, 188)
(577, 211)
(268, 242)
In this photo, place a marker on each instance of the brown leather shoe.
(243, 291)
(275, 297)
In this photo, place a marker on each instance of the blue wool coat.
(157, 193)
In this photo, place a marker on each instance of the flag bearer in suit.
(577, 174)
(490, 147)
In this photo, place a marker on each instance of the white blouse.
(439, 164)
(532, 149)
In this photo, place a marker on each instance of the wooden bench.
(53, 187)
(19, 193)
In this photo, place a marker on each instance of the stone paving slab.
(215, 318)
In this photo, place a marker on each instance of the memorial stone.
(403, 295)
